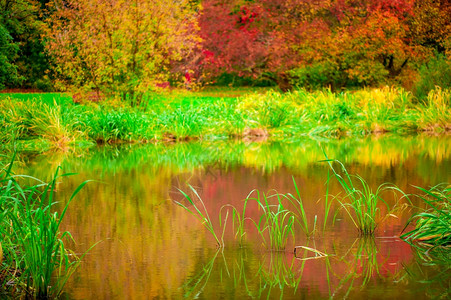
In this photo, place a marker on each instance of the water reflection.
(345, 273)
(153, 248)
(431, 271)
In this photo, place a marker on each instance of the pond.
(150, 247)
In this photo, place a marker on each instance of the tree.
(8, 51)
(233, 38)
(120, 47)
(335, 43)
(343, 43)
(430, 25)
(22, 20)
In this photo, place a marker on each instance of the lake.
(150, 247)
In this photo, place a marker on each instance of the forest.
(124, 49)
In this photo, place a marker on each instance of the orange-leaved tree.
(345, 42)
(119, 47)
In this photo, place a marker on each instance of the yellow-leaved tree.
(119, 47)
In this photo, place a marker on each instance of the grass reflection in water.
(283, 275)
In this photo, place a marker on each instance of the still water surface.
(152, 248)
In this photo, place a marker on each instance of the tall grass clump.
(276, 224)
(12, 121)
(107, 126)
(27, 119)
(435, 113)
(181, 123)
(433, 225)
(36, 258)
(272, 110)
(47, 121)
(360, 201)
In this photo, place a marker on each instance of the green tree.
(23, 20)
(8, 51)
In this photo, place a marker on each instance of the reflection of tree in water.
(181, 182)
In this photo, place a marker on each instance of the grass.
(301, 216)
(200, 213)
(360, 201)
(238, 221)
(432, 226)
(435, 112)
(281, 214)
(276, 224)
(206, 115)
(36, 259)
(36, 120)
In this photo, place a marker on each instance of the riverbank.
(55, 121)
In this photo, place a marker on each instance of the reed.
(301, 216)
(360, 202)
(328, 202)
(200, 213)
(432, 225)
(37, 258)
(276, 224)
(238, 221)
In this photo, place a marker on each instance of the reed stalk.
(301, 216)
(433, 225)
(276, 222)
(31, 238)
(360, 202)
(200, 214)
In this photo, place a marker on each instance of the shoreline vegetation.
(34, 260)
(57, 121)
(60, 122)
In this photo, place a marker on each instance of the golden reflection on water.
(152, 248)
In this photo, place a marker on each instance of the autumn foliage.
(119, 47)
(126, 48)
(337, 43)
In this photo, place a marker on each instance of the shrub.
(436, 72)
